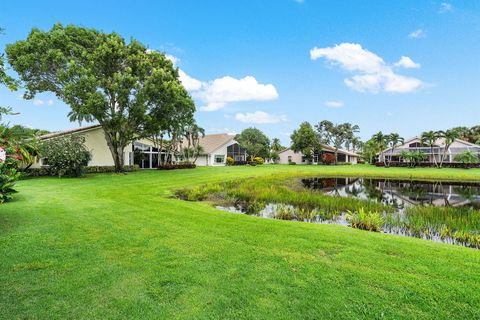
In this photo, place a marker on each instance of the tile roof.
(70, 131)
(212, 142)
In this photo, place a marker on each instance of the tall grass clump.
(362, 219)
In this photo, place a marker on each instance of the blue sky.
(273, 64)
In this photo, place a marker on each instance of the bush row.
(458, 165)
(46, 171)
(168, 166)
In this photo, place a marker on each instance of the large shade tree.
(305, 140)
(255, 142)
(102, 78)
(336, 135)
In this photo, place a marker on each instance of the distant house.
(288, 155)
(142, 152)
(216, 149)
(415, 144)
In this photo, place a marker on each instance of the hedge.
(457, 165)
(44, 171)
(177, 166)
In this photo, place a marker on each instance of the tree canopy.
(101, 77)
(255, 142)
(305, 140)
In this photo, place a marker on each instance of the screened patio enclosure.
(145, 156)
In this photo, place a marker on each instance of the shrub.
(258, 160)
(46, 171)
(371, 221)
(8, 176)
(230, 161)
(457, 165)
(328, 158)
(184, 165)
(466, 157)
(66, 155)
(292, 163)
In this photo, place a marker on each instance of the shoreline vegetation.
(282, 197)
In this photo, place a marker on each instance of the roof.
(70, 131)
(440, 142)
(212, 142)
(326, 147)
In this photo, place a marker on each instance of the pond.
(439, 211)
(399, 193)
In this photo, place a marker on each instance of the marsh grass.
(292, 202)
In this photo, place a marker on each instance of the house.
(216, 149)
(142, 152)
(288, 155)
(415, 144)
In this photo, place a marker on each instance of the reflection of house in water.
(399, 193)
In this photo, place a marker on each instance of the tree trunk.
(116, 149)
(336, 155)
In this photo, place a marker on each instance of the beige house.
(415, 144)
(143, 151)
(288, 155)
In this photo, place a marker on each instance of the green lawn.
(118, 246)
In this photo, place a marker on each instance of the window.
(219, 158)
(236, 152)
(289, 158)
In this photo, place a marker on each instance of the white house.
(415, 144)
(216, 149)
(143, 151)
(288, 155)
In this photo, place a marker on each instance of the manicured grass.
(118, 246)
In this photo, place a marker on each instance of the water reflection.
(400, 193)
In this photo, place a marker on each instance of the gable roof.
(212, 142)
(69, 131)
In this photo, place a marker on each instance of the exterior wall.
(209, 159)
(96, 143)
(202, 160)
(295, 156)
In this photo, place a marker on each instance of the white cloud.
(334, 104)
(215, 94)
(38, 102)
(407, 63)
(175, 60)
(372, 73)
(417, 34)
(260, 117)
(445, 7)
(191, 84)
(50, 102)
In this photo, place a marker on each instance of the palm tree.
(382, 141)
(450, 136)
(394, 141)
(276, 145)
(429, 138)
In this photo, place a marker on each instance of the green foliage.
(66, 155)
(413, 157)
(467, 157)
(336, 135)
(255, 142)
(276, 145)
(124, 86)
(230, 161)
(305, 140)
(274, 156)
(46, 171)
(258, 160)
(361, 219)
